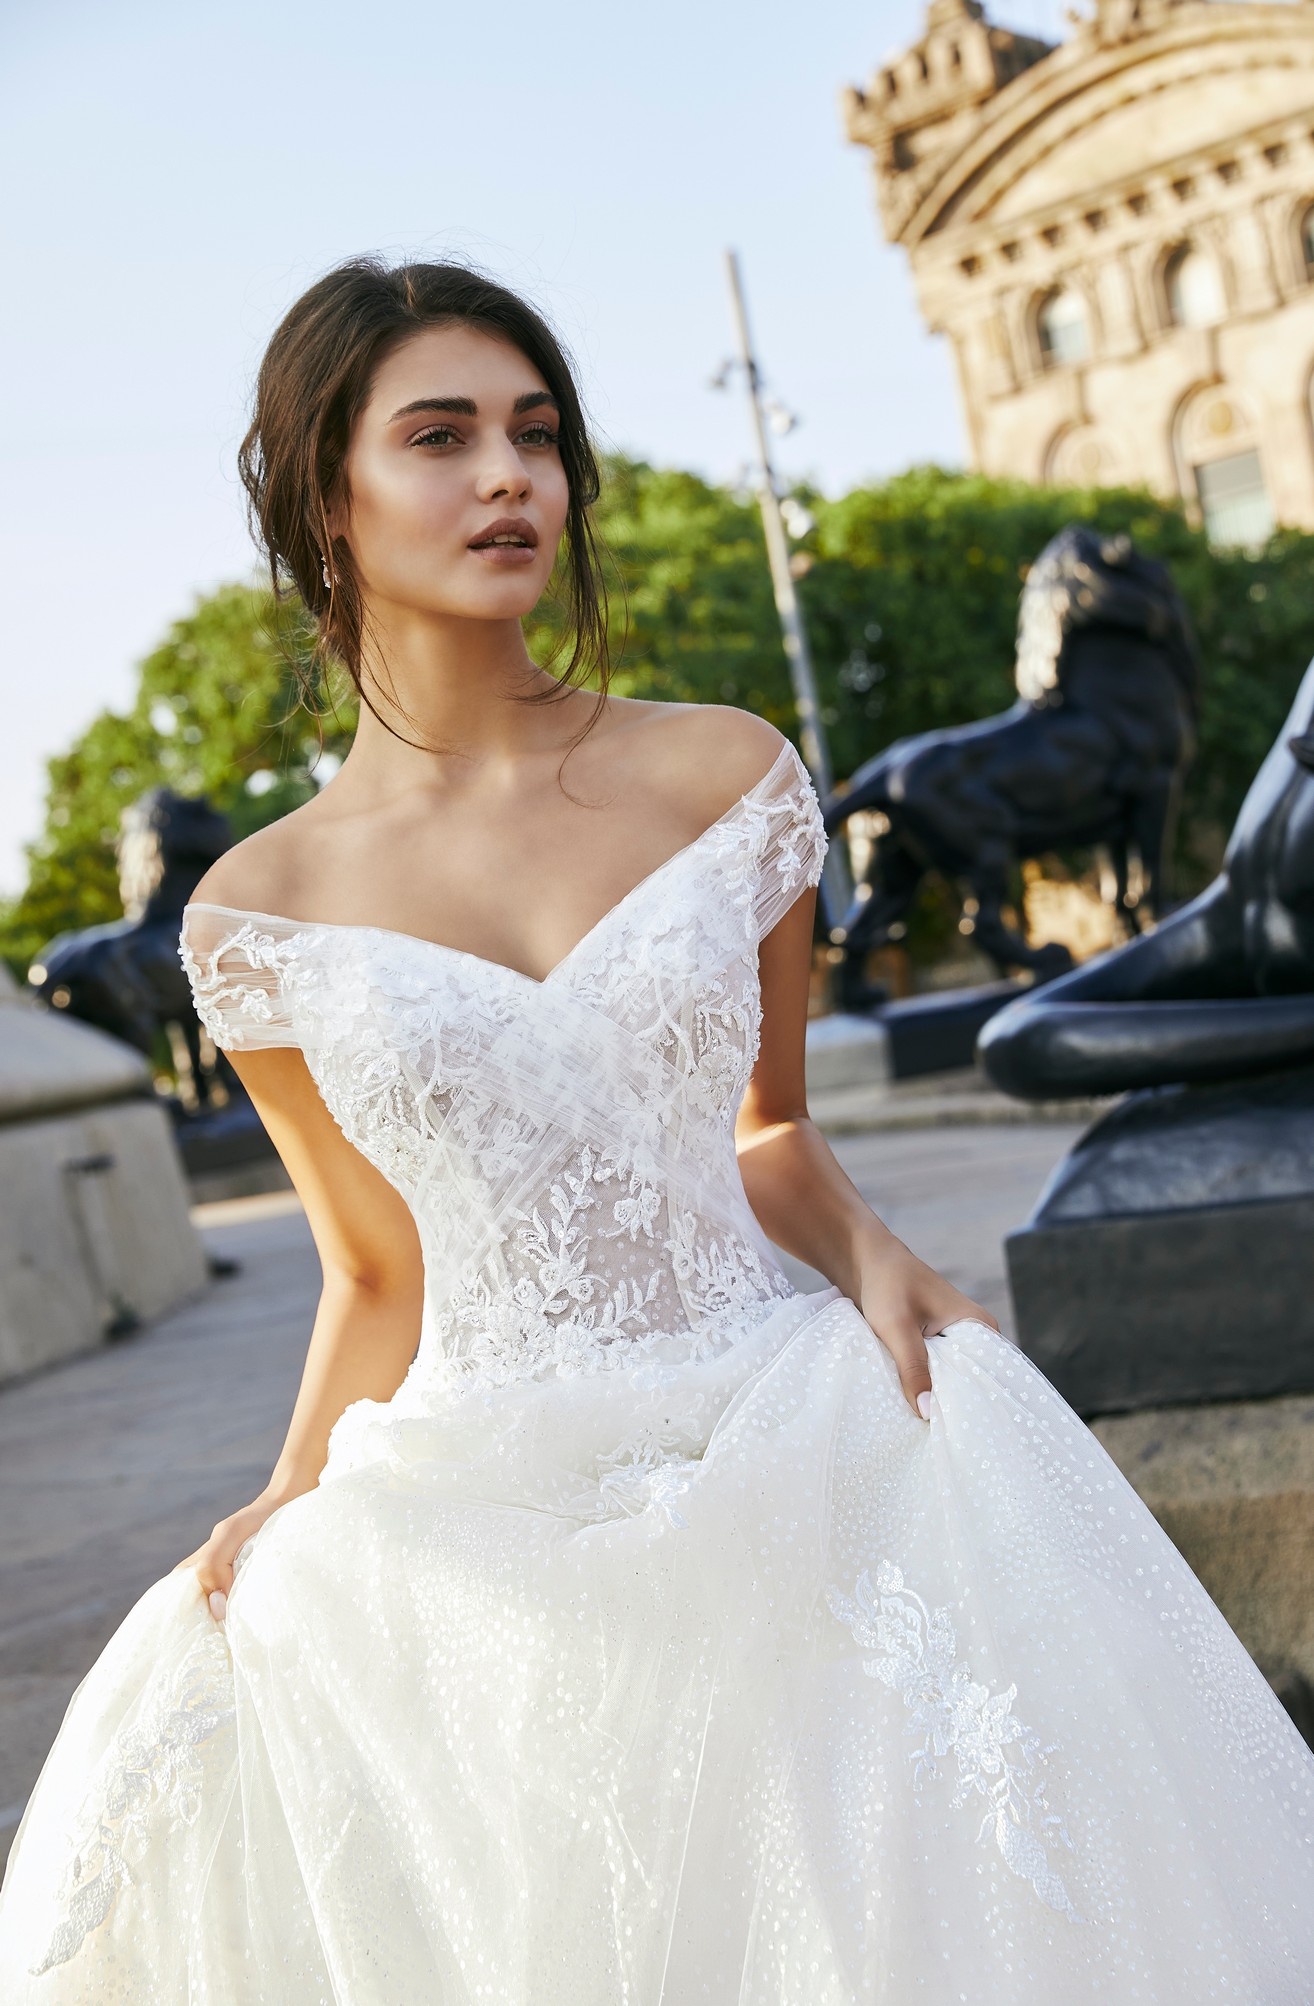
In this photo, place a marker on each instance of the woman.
(618, 1623)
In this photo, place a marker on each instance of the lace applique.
(239, 984)
(721, 1277)
(995, 1756)
(650, 1469)
(153, 1771)
(546, 1310)
(656, 1486)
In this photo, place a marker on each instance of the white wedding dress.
(645, 1649)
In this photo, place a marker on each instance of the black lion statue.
(125, 976)
(1092, 752)
(1222, 990)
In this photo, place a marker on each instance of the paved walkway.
(115, 1466)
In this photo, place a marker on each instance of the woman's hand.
(905, 1302)
(214, 1560)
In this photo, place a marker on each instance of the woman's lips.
(511, 540)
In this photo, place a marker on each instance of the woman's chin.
(508, 597)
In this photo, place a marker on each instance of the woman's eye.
(437, 435)
(541, 435)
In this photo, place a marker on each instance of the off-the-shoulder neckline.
(441, 947)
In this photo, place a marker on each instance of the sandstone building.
(1117, 235)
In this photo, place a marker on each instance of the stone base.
(933, 1034)
(1233, 1487)
(1169, 1256)
(1210, 1304)
(95, 1236)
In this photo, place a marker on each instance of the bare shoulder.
(709, 754)
(262, 873)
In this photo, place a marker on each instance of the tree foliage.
(911, 602)
(217, 712)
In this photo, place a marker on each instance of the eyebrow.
(465, 407)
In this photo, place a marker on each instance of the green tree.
(217, 713)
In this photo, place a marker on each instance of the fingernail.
(218, 1604)
(924, 1406)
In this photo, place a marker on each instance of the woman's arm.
(804, 1201)
(368, 1321)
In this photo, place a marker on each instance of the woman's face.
(458, 497)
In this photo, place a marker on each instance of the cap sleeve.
(234, 962)
(794, 842)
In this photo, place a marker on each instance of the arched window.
(1061, 328)
(1307, 240)
(1193, 287)
(1234, 500)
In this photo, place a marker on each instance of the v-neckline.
(442, 947)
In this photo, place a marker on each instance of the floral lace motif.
(566, 1146)
(152, 1773)
(996, 1758)
(552, 1302)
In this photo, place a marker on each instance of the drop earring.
(327, 579)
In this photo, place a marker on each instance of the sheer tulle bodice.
(566, 1146)
(645, 1649)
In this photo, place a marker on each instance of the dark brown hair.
(314, 379)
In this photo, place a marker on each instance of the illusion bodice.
(566, 1146)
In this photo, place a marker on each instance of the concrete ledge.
(50, 1063)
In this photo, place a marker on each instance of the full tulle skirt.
(724, 1681)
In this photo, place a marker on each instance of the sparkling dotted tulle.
(645, 1647)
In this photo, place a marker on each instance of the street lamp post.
(812, 732)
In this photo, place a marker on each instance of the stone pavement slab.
(114, 1466)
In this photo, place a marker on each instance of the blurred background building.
(1117, 235)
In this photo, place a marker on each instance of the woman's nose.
(504, 473)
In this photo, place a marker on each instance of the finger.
(907, 1347)
(218, 1605)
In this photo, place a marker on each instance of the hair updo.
(314, 379)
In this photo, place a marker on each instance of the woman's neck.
(446, 684)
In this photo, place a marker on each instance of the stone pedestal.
(1169, 1257)
(95, 1235)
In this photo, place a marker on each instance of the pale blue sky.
(176, 175)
